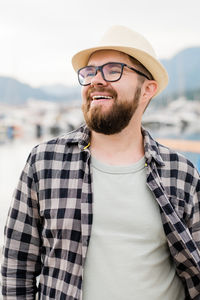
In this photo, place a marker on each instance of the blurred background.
(39, 94)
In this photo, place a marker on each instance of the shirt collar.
(151, 148)
(81, 136)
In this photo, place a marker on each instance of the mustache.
(101, 89)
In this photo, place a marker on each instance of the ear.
(149, 89)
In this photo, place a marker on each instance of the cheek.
(84, 93)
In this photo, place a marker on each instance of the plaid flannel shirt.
(49, 223)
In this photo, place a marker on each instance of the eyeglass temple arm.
(138, 72)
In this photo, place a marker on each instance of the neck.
(122, 148)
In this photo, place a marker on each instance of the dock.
(181, 145)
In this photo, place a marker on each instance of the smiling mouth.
(101, 97)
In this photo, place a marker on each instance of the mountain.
(184, 71)
(184, 79)
(13, 91)
(56, 89)
(16, 92)
(62, 91)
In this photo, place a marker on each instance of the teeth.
(101, 97)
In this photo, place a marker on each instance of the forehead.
(104, 56)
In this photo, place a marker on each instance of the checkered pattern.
(50, 219)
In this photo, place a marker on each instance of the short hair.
(141, 68)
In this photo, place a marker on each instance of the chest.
(124, 205)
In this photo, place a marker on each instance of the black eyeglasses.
(111, 72)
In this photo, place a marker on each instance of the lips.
(101, 97)
(99, 94)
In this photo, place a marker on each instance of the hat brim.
(80, 60)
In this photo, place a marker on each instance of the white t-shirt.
(128, 256)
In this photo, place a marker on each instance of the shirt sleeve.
(21, 254)
(194, 222)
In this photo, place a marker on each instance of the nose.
(98, 79)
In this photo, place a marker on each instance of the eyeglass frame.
(100, 68)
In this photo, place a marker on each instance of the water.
(194, 158)
(12, 160)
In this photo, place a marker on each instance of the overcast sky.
(39, 37)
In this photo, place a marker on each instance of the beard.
(115, 118)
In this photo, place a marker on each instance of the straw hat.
(132, 43)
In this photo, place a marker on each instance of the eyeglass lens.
(110, 72)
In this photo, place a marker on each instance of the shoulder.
(58, 147)
(175, 160)
(167, 158)
(178, 172)
(175, 170)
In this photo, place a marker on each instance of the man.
(105, 212)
